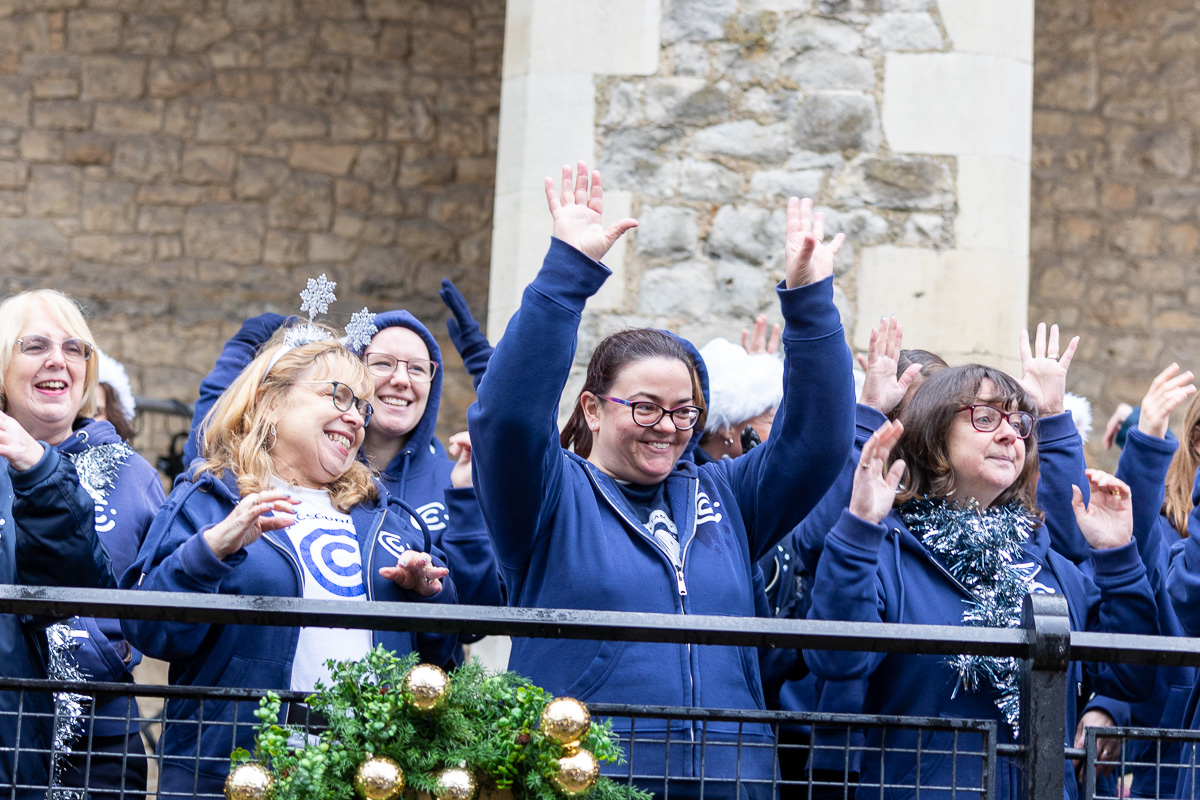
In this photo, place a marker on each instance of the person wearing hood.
(608, 515)
(405, 364)
(49, 370)
(280, 506)
(963, 540)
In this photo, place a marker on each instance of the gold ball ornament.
(566, 720)
(456, 783)
(249, 782)
(577, 773)
(426, 686)
(379, 778)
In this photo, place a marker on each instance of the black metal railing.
(1044, 644)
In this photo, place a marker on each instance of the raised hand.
(415, 572)
(882, 390)
(1167, 392)
(459, 447)
(1044, 369)
(757, 342)
(875, 485)
(1107, 521)
(577, 209)
(1114, 424)
(248, 520)
(18, 445)
(807, 257)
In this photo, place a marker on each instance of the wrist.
(1152, 427)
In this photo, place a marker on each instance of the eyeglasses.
(72, 349)
(344, 399)
(985, 419)
(648, 414)
(419, 369)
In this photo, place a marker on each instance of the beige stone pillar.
(973, 103)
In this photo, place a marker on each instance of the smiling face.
(399, 402)
(44, 393)
(316, 442)
(625, 450)
(983, 465)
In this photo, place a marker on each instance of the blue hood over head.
(422, 438)
(689, 452)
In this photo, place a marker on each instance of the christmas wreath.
(399, 728)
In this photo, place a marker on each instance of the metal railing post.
(1044, 694)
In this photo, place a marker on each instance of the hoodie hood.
(89, 432)
(693, 446)
(422, 441)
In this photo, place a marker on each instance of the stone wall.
(179, 165)
(1115, 227)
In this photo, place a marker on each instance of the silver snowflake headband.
(315, 299)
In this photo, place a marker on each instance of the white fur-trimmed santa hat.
(113, 373)
(740, 385)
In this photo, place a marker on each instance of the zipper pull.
(679, 581)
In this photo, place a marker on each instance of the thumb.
(1077, 502)
(909, 376)
(862, 361)
(619, 228)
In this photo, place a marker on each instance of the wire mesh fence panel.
(1139, 762)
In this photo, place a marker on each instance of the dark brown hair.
(930, 363)
(924, 445)
(114, 412)
(611, 356)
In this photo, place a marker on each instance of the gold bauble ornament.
(566, 720)
(379, 778)
(426, 686)
(456, 783)
(577, 773)
(249, 782)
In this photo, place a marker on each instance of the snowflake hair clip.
(314, 300)
(360, 331)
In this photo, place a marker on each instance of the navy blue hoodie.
(563, 540)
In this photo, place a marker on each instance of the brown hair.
(1177, 501)
(930, 363)
(611, 356)
(114, 412)
(237, 432)
(924, 445)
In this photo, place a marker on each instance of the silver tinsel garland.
(982, 550)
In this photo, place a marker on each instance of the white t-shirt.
(332, 568)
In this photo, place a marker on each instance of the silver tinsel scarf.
(97, 468)
(982, 549)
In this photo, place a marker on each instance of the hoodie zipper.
(370, 570)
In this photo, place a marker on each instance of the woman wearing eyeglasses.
(609, 517)
(946, 526)
(49, 370)
(279, 506)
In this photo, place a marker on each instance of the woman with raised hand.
(49, 376)
(607, 516)
(947, 531)
(279, 506)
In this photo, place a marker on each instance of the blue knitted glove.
(464, 331)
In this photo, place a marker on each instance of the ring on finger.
(1053, 356)
(863, 465)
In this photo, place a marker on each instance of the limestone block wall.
(179, 165)
(906, 120)
(1115, 196)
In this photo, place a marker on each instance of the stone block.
(247, 85)
(110, 207)
(312, 88)
(743, 139)
(352, 37)
(243, 50)
(329, 159)
(904, 32)
(329, 9)
(925, 230)
(348, 225)
(817, 70)
(13, 174)
(230, 121)
(357, 121)
(462, 209)
(1138, 236)
(1182, 240)
(12, 204)
(147, 158)
(56, 88)
(149, 34)
(178, 76)
(285, 248)
(741, 289)
(683, 290)
(1116, 196)
(743, 233)
(113, 77)
(377, 163)
(395, 40)
(181, 117)
(836, 121)
(259, 178)
(431, 171)
(377, 76)
(129, 118)
(260, 13)
(395, 9)
(304, 202)
(328, 248)
(287, 123)
(93, 31)
(167, 247)
(480, 170)
(41, 146)
(775, 186)
(696, 20)
(32, 246)
(667, 232)
(172, 194)
(113, 248)
(160, 219)
(54, 191)
(425, 240)
(287, 49)
(353, 195)
(379, 231)
(460, 135)
(802, 33)
(63, 115)
(901, 182)
(688, 101)
(436, 50)
(232, 233)
(207, 164)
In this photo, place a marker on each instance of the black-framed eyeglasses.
(985, 419)
(344, 399)
(420, 370)
(648, 414)
(72, 349)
